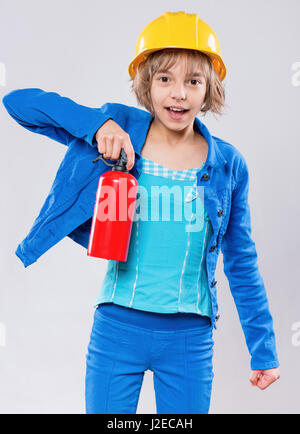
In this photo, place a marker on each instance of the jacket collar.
(215, 157)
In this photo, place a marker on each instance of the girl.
(157, 310)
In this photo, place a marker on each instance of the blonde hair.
(167, 57)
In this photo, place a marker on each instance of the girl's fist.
(262, 379)
(111, 138)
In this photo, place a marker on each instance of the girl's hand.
(262, 379)
(111, 138)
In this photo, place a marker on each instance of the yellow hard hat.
(178, 30)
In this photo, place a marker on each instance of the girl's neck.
(172, 138)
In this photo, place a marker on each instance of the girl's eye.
(197, 80)
(163, 77)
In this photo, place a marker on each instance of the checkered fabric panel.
(153, 168)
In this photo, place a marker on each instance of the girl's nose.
(178, 92)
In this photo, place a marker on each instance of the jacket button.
(205, 177)
(213, 283)
(220, 212)
(213, 248)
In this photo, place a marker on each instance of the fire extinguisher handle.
(122, 161)
(122, 158)
(100, 157)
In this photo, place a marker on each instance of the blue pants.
(125, 342)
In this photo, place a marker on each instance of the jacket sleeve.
(245, 282)
(53, 115)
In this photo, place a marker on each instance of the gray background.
(81, 49)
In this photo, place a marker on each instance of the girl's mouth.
(176, 115)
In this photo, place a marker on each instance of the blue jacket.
(68, 208)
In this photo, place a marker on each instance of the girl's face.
(175, 88)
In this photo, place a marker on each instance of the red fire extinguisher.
(113, 212)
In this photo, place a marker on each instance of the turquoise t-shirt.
(165, 269)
